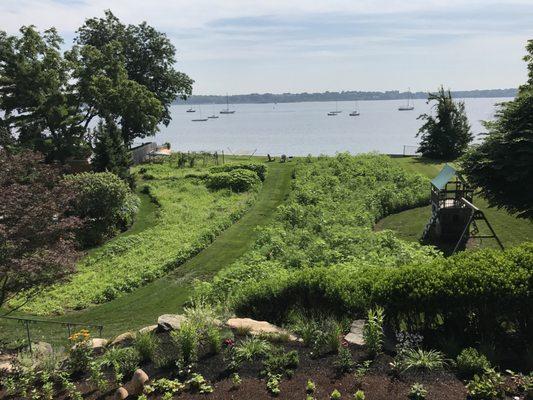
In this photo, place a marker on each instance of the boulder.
(42, 348)
(136, 385)
(98, 345)
(148, 329)
(170, 322)
(121, 394)
(355, 336)
(123, 340)
(257, 327)
(6, 366)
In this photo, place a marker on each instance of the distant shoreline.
(269, 98)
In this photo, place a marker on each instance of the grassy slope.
(168, 294)
(410, 224)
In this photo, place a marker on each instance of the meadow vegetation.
(188, 218)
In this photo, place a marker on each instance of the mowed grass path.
(169, 293)
(410, 224)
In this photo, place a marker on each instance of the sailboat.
(227, 110)
(332, 113)
(199, 119)
(191, 110)
(408, 106)
(213, 116)
(354, 113)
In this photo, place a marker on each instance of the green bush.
(123, 361)
(487, 386)
(238, 180)
(146, 344)
(187, 341)
(373, 331)
(259, 169)
(281, 362)
(472, 292)
(105, 202)
(470, 362)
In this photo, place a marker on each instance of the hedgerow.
(475, 293)
(238, 180)
(259, 169)
(188, 219)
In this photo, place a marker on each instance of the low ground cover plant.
(188, 219)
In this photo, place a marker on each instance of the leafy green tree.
(446, 135)
(149, 59)
(36, 96)
(502, 165)
(110, 153)
(49, 99)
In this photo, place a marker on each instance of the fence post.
(100, 331)
(27, 325)
(222, 156)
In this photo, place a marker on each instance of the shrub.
(80, 353)
(187, 341)
(123, 361)
(259, 169)
(281, 362)
(488, 386)
(252, 348)
(373, 331)
(420, 360)
(238, 180)
(145, 344)
(417, 392)
(213, 339)
(470, 362)
(105, 202)
(326, 337)
(344, 362)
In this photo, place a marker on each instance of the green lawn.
(169, 293)
(410, 224)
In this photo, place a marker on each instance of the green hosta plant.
(488, 386)
(359, 395)
(197, 383)
(335, 395)
(310, 386)
(273, 382)
(235, 380)
(417, 392)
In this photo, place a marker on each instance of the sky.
(277, 46)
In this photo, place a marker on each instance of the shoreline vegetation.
(350, 95)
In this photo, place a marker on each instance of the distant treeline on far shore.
(333, 96)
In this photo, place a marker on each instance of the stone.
(123, 340)
(121, 394)
(170, 322)
(42, 348)
(257, 327)
(148, 329)
(98, 345)
(6, 366)
(136, 385)
(355, 336)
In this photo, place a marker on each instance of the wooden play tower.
(454, 217)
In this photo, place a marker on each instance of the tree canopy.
(446, 135)
(119, 73)
(502, 165)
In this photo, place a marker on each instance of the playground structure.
(454, 217)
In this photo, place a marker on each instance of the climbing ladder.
(431, 222)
